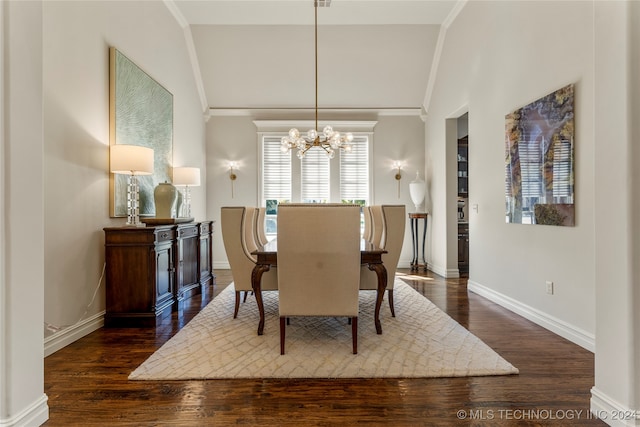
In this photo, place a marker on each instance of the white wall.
(634, 53)
(617, 361)
(76, 37)
(594, 264)
(512, 64)
(22, 398)
(396, 138)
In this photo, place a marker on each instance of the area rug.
(421, 341)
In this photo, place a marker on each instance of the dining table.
(267, 257)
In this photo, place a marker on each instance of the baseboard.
(36, 414)
(404, 263)
(72, 333)
(221, 265)
(555, 325)
(447, 273)
(612, 412)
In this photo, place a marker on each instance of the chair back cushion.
(318, 259)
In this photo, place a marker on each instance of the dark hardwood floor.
(87, 381)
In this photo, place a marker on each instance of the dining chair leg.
(235, 311)
(245, 296)
(282, 329)
(393, 312)
(354, 334)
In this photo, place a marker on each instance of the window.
(275, 180)
(354, 173)
(315, 178)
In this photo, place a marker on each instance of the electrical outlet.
(549, 287)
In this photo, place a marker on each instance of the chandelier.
(329, 140)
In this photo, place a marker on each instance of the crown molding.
(252, 112)
(285, 125)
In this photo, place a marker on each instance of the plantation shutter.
(315, 186)
(530, 168)
(562, 173)
(354, 171)
(276, 170)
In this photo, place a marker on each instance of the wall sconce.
(132, 160)
(232, 175)
(187, 177)
(398, 176)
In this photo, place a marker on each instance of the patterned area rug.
(422, 341)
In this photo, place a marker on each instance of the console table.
(151, 270)
(415, 218)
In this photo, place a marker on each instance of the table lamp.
(132, 160)
(186, 177)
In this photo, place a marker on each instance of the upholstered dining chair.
(237, 224)
(392, 237)
(318, 263)
(377, 225)
(261, 236)
(368, 223)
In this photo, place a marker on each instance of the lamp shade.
(131, 159)
(186, 176)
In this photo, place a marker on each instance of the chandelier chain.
(329, 140)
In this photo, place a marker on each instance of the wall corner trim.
(34, 415)
(193, 56)
(611, 411)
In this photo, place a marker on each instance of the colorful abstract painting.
(539, 161)
(140, 113)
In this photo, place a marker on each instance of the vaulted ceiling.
(374, 54)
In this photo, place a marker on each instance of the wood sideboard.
(151, 270)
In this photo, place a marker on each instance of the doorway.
(463, 194)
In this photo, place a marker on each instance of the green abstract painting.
(140, 113)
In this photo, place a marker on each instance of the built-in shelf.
(463, 193)
(463, 167)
